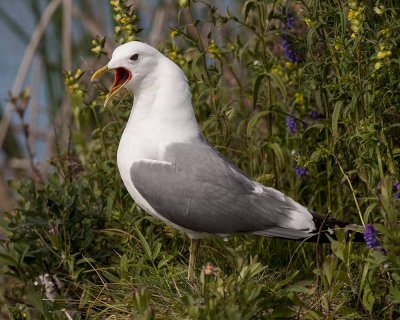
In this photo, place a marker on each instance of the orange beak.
(121, 78)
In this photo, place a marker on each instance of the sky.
(11, 47)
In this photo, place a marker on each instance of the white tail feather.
(279, 232)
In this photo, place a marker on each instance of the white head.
(135, 64)
(162, 108)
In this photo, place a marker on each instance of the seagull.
(175, 175)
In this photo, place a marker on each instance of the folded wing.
(196, 188)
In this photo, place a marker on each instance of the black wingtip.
(326, 226)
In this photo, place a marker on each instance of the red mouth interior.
(122, 75)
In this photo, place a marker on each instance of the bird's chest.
(132, 149)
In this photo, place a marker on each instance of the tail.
(325, 226)
(322, 230)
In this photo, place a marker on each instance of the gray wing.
(198, 189)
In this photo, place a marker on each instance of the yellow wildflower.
(183, 3)
(378, 65)
(352, 14)
(232, 46)
(78, 73)
(277, 70)
(299, 98)
(172, 54)
(356, 19)
(168, 231)
(353, 4)
(214, 50)
(379, 11)
(289, 65)
(174, 33)
(387, 32)
(384, 54)
(72, 82)
(308, 22)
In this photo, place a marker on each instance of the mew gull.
(172, 172)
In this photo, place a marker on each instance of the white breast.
(130, 151)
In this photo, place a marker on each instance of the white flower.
(51, 284)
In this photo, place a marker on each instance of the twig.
(26, 63)
(66, 34)
(31, 154)
(34, 103)
(6, 200)
(352, 192)
(18, 163)
(67, 64)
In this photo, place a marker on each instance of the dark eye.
(134, 57)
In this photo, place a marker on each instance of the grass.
(323, 130)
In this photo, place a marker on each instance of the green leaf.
(283, 312)
(278, 153)
(339, 249)
(124, 266)
(156, 251)
(110, 277)
(368, 298)
(278, 81)
(302, 287)
(247, 7)
(335, 119)
(194, 63)
(284, 282)
(313, 315)
(85, 296)
(254, 121)
(368, 211)
(145, 244)
(8, 260)
(257, 84)
(164, 261)
(329, 268)
(394, 295)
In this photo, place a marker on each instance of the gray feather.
(198, 189)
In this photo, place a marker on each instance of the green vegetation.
(304, 97)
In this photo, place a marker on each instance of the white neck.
(162, 113)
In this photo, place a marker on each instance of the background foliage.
(303, 96)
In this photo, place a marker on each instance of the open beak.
(121, 78)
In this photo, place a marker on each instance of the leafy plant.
(303, 96)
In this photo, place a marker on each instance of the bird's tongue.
(121, 77)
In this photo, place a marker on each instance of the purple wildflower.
(288, 51)
(290, 20)
(370, 236)
(314, 115)
(396, 189)
(291, 124)
(300, 171)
